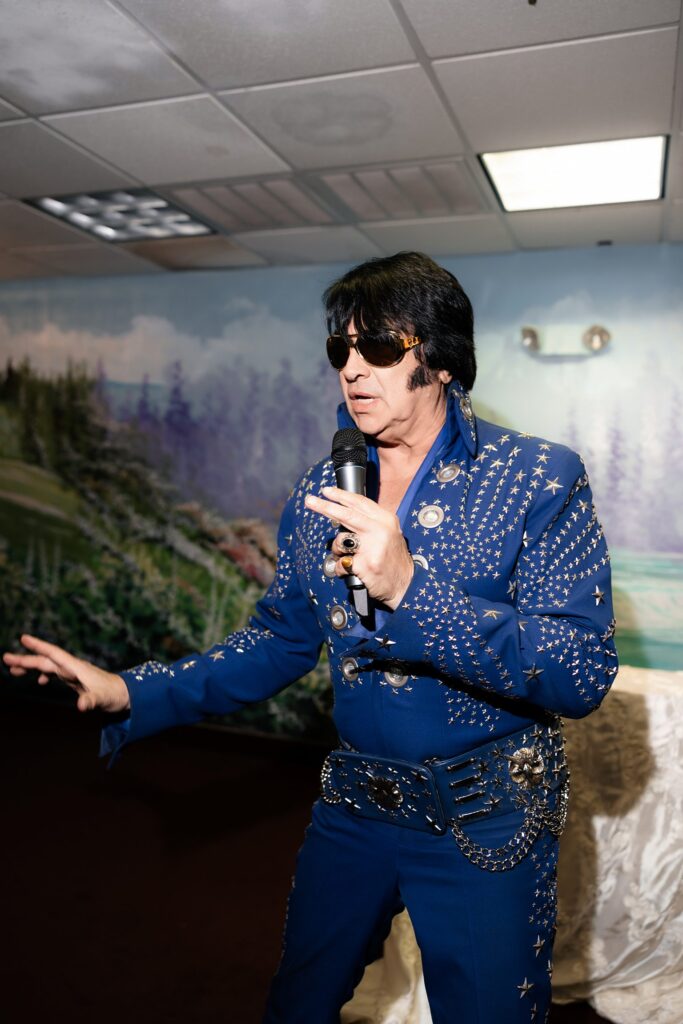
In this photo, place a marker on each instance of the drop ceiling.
(307, 131)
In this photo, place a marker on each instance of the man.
(488, 572)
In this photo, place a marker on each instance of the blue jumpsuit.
(506, 626)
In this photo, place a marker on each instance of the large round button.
(448, 472)
(430, 515)
(338, 616)
(466, 407)
(329, 565)
(421, 560)
(349, 667)
(395, 679)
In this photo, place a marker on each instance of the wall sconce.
(530, 339)
(560, 344)
(596, 338)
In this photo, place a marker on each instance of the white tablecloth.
(619, 941)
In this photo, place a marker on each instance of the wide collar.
(460, 419)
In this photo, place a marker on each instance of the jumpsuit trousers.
(485, 937)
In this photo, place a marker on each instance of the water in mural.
(150, 432)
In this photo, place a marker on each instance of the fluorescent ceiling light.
(123, 216)
(619, 171)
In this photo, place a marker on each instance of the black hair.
(410, 293)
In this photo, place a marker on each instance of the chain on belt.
(525, 771)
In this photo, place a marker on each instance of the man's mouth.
(360, 398)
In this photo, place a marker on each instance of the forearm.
(549, 661)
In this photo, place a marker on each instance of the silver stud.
(448, 472)
(338, 616)
(430, 516)
(466, 407)
(395, 679)
(421, 560)
(349, 667)
(329, 565)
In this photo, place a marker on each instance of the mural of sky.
(228, 369)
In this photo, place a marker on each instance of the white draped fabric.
(619, 941)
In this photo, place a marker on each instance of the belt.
(520, 771)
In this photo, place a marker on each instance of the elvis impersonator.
(489, 617)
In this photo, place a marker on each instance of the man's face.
(379, 399)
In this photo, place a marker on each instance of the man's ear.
(445, 376)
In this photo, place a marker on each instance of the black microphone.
(350, 458)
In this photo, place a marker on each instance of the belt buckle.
(385, 789)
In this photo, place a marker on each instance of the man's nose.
(355, 366)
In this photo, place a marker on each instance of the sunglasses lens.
(337, 351)
(380, 349)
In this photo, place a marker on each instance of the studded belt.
(522, 771)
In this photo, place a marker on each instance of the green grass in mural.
(99, 555)
(23, 527)
(34, 487)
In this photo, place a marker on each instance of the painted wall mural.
(151, 428)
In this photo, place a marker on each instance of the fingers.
(357, 502)
(86, 702)
(26, 661)
(352, 520)
(61, 658)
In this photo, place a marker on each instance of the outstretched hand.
(382, 561)
(95, 687)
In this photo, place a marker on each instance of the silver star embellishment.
(525, 988)
(532, 674)
(539, 944)
(553, 485)
(386, 642)
(599, 595)
(216, 656)
(491, 613)
(188, 664)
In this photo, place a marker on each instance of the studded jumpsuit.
(506, 626)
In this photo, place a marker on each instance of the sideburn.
(422, 377)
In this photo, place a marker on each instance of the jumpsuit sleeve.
(551, 644)
(280, 644)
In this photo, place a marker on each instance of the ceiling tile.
(433, 189)
(442, 236)
(171, 141)
(82, 54)
(610, 88)
(276, 202)
(196, 253)
(84, 260)
(309, 245)
(350, 119)
(13, 267)
(22, 226)
(8, 112)
(447, 29)
(37, 162)
(230, 43)
(674, 222)
(674, 176)
(587, 225)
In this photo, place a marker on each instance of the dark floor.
(155, 891)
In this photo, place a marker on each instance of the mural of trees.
(108, 547)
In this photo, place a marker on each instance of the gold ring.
(347, 563)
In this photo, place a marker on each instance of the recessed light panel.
(123, 216)
(587, 174)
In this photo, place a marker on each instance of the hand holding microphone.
(381, 563)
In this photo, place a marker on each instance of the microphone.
(350, 458)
